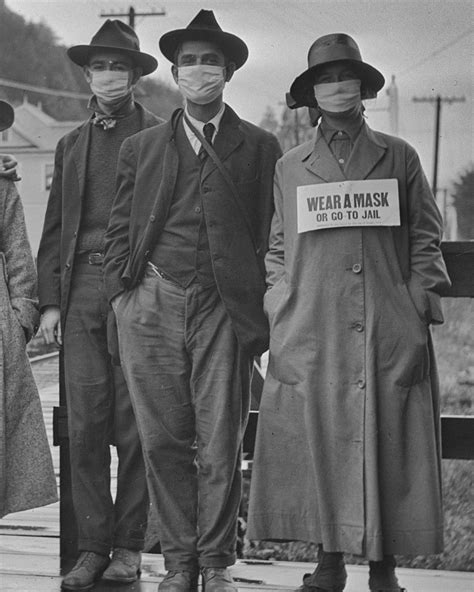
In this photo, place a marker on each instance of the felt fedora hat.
(114, 36)
(7, 115)
(333, 48)
(204, 27)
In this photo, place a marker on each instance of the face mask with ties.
(201, 84)
(338, 97)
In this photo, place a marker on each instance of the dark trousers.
(99, 414)
(189, 383)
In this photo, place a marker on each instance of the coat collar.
(227, 140)
(368, 149)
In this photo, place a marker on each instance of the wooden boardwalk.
(29, 555)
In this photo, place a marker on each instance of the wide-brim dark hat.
(204, 27)
(7, 115)
(114, 36)
(333, 48)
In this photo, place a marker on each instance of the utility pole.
(438, 100)
(392, 93)
(131, 14)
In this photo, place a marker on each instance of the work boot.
(88, 569)
(179, 581)
(217, 579)
(382, 576)
(124, 567)
(329, 576)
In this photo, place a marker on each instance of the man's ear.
(230, 69)
(136, 74)
(174, 72)
(87, 74)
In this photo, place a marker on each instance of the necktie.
(208, 132)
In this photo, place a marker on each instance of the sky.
(428, 45)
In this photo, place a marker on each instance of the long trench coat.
(26, 470)
(348, 450)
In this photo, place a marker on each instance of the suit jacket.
(237, 232)
(64, 211)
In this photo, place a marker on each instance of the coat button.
(361, 383)
(197, 209)
(359, 327)
(68, 266)
(206, 189)
(145, 254)
(152, 218)
(357, 268)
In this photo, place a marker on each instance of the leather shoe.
(329, 576)
(179, 581)
(88, 569)
(124, 567)
(382, 577)
(217, 579)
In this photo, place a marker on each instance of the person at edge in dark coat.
(348, 445)
(76, 314)
(184, 268)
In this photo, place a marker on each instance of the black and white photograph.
(237, 296)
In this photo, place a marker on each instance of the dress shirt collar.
(351, 127)
(199, 125)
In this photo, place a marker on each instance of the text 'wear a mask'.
(338, 97)
(110, 86)
(201, 84)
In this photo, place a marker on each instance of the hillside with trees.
(30, 54)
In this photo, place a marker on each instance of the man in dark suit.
(76, 314)
(184, 273)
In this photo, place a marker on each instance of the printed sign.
(372, 202)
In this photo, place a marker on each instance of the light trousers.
(190, 385)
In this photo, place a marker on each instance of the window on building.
(48, 176)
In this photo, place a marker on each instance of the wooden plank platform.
(31, 564)
(29, 555)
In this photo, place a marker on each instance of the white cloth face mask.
(337, 97)
(201, 84)
(110, 86)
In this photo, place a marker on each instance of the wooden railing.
(457, 431)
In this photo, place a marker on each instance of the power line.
(437, 51)
(44, 90)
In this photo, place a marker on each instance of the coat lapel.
(79, 152)
(368, 150)
(321, 161)
(228, 139)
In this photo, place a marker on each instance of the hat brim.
(80, 55)
(302, 90)
(233, 47)
(7, 115)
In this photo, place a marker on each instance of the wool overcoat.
(237, 225)
(26, 470)
(348, 449)
(64, 213)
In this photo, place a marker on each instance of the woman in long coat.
(348, 450)
(26, 471)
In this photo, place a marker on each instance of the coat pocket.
(403, 352)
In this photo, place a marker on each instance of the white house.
(32, 141)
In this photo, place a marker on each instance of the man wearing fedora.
(76, 314)
(347, 452)
(184, 271)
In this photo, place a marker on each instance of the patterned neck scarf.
(109, 120)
